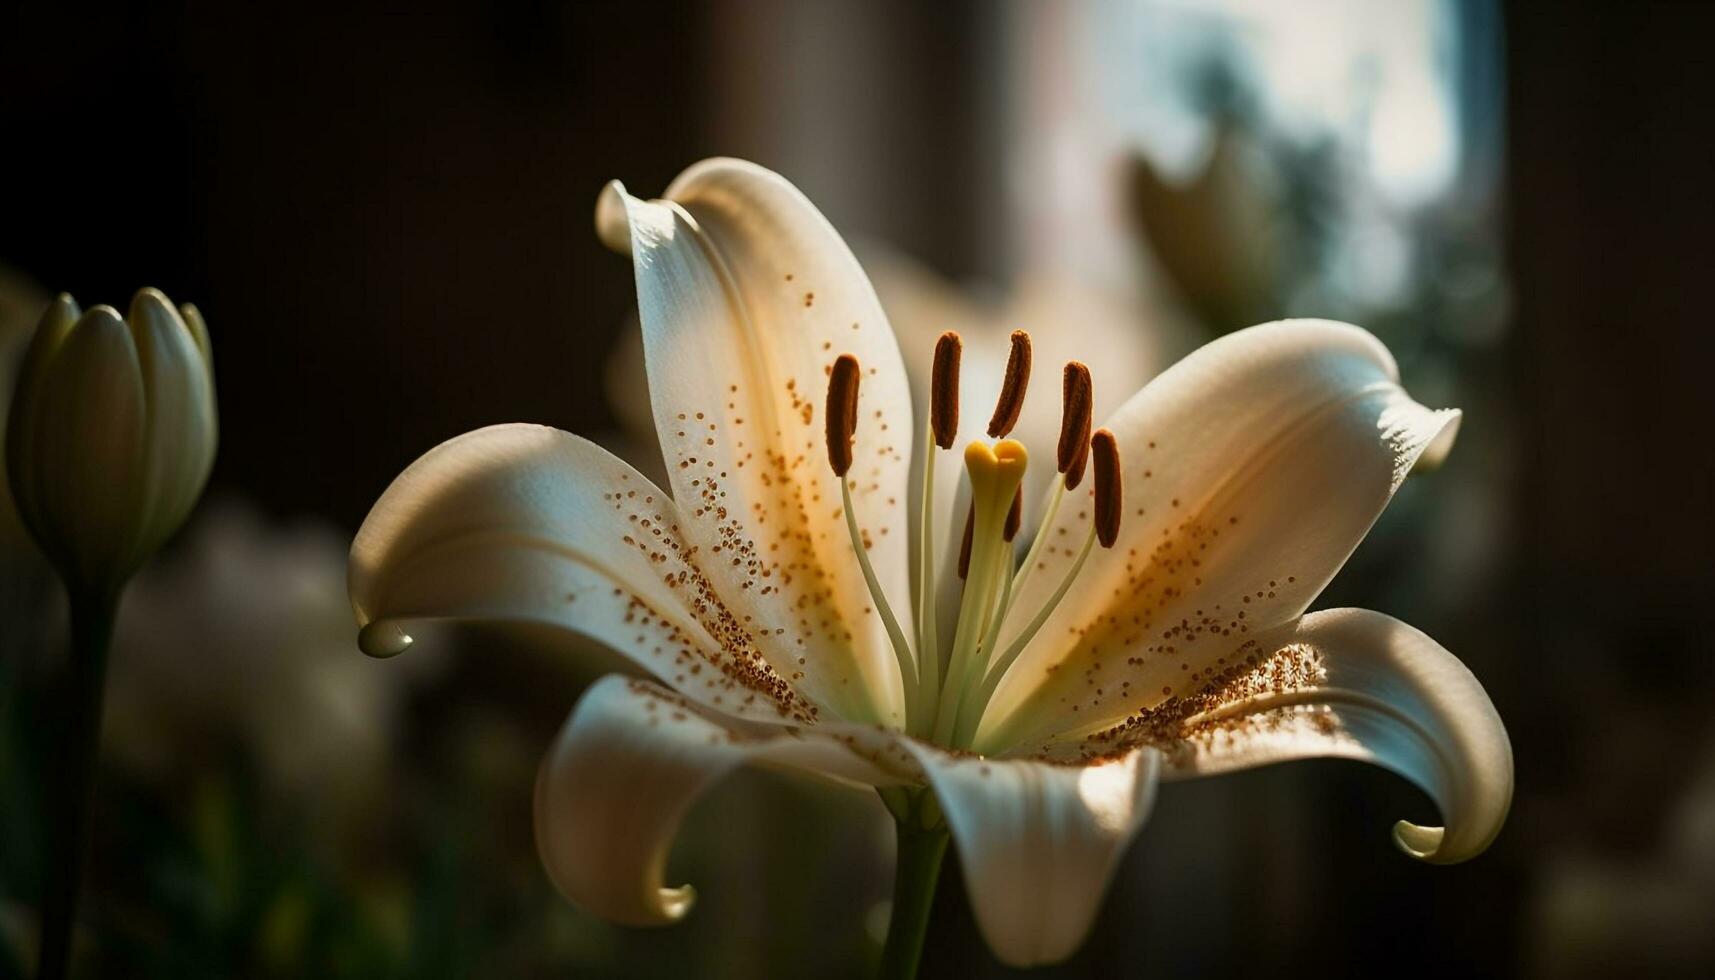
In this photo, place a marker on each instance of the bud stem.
(69, 774)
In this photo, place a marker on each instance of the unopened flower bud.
(112, 434)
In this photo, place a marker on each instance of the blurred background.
(386, 219)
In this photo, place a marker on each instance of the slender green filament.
(928, 633)
(901, 649)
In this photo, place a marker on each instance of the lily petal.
(57, 323)
(1252, 469)
(1354, 684)
(1039, 841)
(88, 485)
(181, 427)
(523, 523)
(629, 763)
(747, 296)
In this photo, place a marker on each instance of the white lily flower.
(775, 604)
(112, 433)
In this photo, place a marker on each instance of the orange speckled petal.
(747, 296)
(1351, 684)
(1252, 469)
(527, 524)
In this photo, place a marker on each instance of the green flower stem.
(916, 873)
(70, 774)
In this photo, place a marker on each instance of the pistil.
(943, 429)
(995, 474)
(1109, 495)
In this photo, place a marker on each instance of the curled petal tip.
(198, 328)
(675, 902)
(1435, 452)
(1424, 843)
(383, 639)
(1419, 842)
(612, 225)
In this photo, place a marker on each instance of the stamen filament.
(901, 650)
(943, 429)
(841, 415)
(928, 632)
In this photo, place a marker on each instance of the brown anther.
(1011, 401)
(965, 548)
(842, 412)
(944, 390)
(1075, 423)
(1110, 499)
(1015, 516)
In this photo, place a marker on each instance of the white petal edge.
(1039, 841)
(1390, 696)
(527, 524)
(627, 766)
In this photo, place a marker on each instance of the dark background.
(387, 223)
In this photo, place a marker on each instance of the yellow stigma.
(1004, 460)
(996, 472)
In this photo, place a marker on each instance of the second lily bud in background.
(112, 434)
